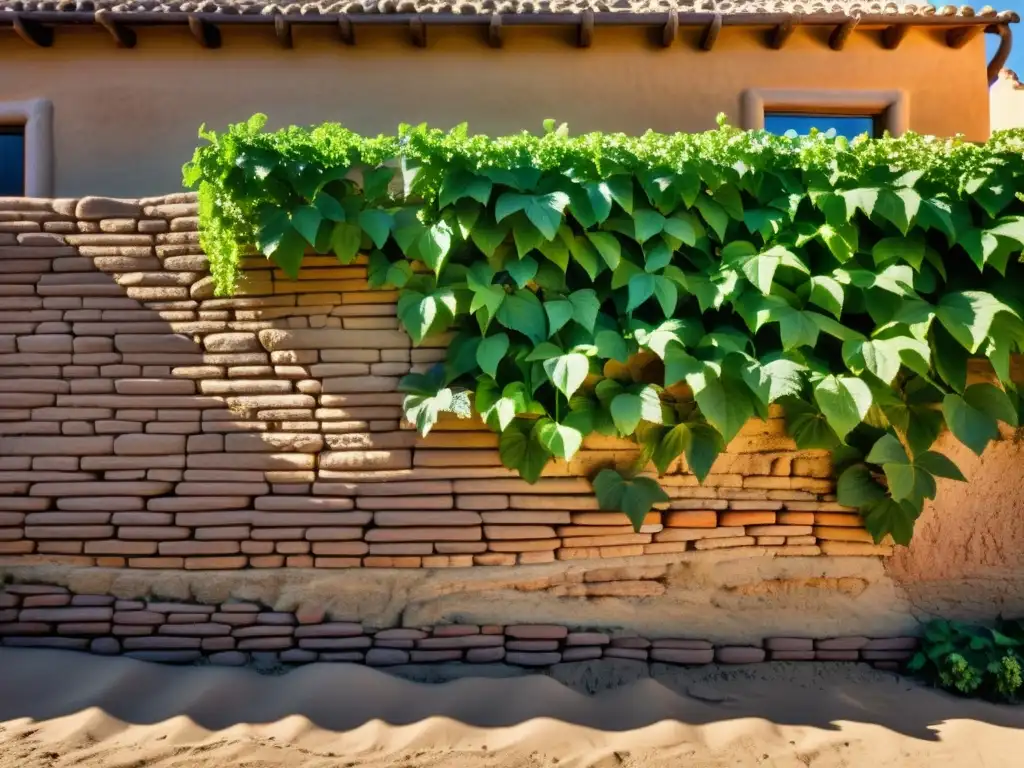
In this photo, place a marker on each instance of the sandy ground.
(64, 709)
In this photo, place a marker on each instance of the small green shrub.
(972, 660)
(666, 288)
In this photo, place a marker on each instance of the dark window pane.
(844, 125)
(12, 161)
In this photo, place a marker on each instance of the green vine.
(666, 288)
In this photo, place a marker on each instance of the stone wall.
(146, 423)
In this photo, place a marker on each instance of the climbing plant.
(666, 288)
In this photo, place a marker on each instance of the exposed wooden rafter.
(123, 35)
(961, 36)
(32, 32)
(671, 30)
(711, 32)
(206, 33)
(495, 32)
(781, 33)
(841, 34)
(283, 31)
(585, 33)
(893, 36)
(418, 32)
(346, 32)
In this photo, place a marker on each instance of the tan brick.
(778, 530)
(795, 518)
(105, 488)
(332, 339)
(839, 533)
(389, 519)
(694, 534)
(691, 519)
(232, 342)
(464, 533)
(725, 542)
(834, 519)
(348, 460)
(154, 387)
(56, 446)
(746, 518)
(148, 445)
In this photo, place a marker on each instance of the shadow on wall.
(630, 696)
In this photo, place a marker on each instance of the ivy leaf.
(460, 183)
(683, 226)
(285, 247)
(522, 311)
(705, 446)
(626, 410)
(435, 244)
(888, 517)
(608, 246)
(862, 199)
(679, 365)
(427, 397)
(895, 249)
(972, 427)
(559, 312)
(992, 401)
(857, 488)
(380, 272)
(887, 450)
(611, 346)
(667, 295)
(634, 498)
(725, 404)
(844, 401)
(647, 223)
(880, 357)
(585, 306)
(560, 440)
(345, 241)
(950, 358)
(306, 219)
(490, 353)
(543, 211)
(377, 224)
(521, 449)
(423, 313)
(488, 237)
(522, 270)
(567, 372)
(968, 315)
(714, 215)
(909, 482)
(939, 465)
(640, 288)
(827, 293)
(808, 426)
(585, 254)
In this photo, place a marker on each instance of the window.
(849, 126)
(12, 160)
(849, 113)
(26, 148)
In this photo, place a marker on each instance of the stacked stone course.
(237, 633)
(146, 423)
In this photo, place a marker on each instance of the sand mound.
(62, 709)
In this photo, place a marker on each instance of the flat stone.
(739, 654)
(792, 655)
(837, 655)
(166, 657)
(399, 633)
(430, 657)
(636, 654)
(581, 653)
(298, 656)
(96, 208)
(682, 644)
(105, 646)
(455, 630)
(484, 655)
(67, 614)
(384, 657)
(349, 657)
(537, 632)
(335, 643)
(587, 638)
(841, 644)
(682, 655)
(229, 658)
(330, 629)
(525, 659)
(886, 655)
(466, 641)
(789, 644)
(69, 643)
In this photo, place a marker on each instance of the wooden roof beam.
(205, 33)
(671, 30)
(346, 31)
(32, 32)
(961, 36)
(893, 36)
(841, 34)
(711, 32)
(283, 32)
(495, 32)
(123, 35)
(585, 32)
(781, 33)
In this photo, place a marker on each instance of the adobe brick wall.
(146, 423)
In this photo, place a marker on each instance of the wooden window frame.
(889, 109)
(35, 117)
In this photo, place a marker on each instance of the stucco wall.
(1007, 102)
(126, 120)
